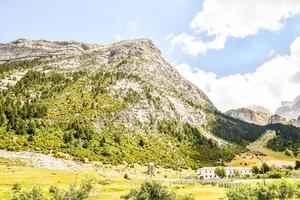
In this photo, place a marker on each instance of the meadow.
(108, 188)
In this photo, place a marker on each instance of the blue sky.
(95, 20)
(186, 31)
(106, 21)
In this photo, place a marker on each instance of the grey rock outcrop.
(250, 116)
(258, 115)
(23, 49)
(290, 110)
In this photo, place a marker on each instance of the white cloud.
(189, 44)
(272, 52)
(271, 83)
(221, 19)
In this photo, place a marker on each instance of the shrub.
(126, 176)
(152, 190)
(265, 168)
(17, 187)
(255, 170)
(276, 175)
(297, 164)
(141, 142)
(240, 193)
(297, 190)
(33, 194)
(284, 188)
(74, 193)
(236, 173)
(281, 190)
(288, 153)
(220, 171)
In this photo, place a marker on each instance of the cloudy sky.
(239, 52)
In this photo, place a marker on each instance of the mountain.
(257, 108)
(118, 103)
(290, 109)
(23, 49)
(257, 115)
(250, 116)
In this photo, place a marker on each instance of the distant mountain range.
(288, 113)
(290, 109)
(256, 117)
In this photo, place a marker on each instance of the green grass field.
(265, 154)
(110, 188)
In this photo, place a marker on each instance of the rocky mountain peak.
(290, 109)
(142, 45)
(257, 108)
(22, 49)
(258, 115)
(249, 115)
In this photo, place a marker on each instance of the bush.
(288, 153)
(33, 194)
(297, 190)
(284, 189)
(297, 164)
(255, 170)
(240, 193)
(220, 171)
(126, 176)
(265, 168)
(152, 190)
(281, 190)
(73, 193)
(276, 175)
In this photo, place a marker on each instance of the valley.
(112, 184)
(258, 153)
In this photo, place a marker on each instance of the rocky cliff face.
(290, 110)
(257, 115)
(250, 116)
(28, 49)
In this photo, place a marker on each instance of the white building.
(209, 172)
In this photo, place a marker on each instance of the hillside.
(259, 153)
(121, 103)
